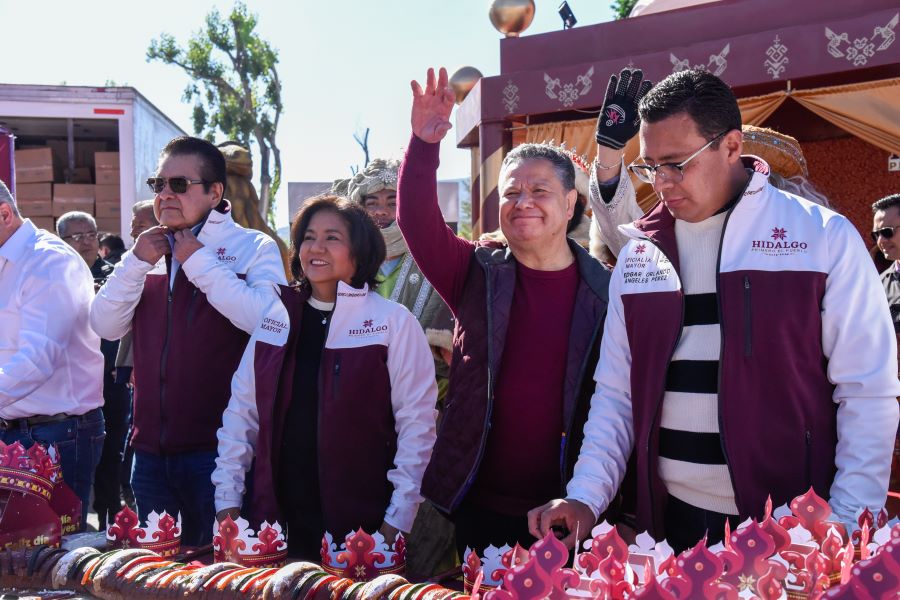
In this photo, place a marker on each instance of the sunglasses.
(179, 185)
(885, 232)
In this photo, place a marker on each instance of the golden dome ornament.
(511, 17)
(463, 80)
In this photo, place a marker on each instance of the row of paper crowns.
(793, 552)
(361, 556)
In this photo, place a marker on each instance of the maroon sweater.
(520, 468)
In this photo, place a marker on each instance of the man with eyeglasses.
(79, 230)
(190, 291)
(51, 368)
(745, 351)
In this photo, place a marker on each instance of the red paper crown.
(28, 471)
(493, 565)
(234, 541)
(161, 535)
(363, 557)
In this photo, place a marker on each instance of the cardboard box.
(106, 167)
(35, 199)
(34, 191)
(35, 208)
(107, 194)
(108, 225)
(107, 210)
(106, 161)
(72, 196)
(47, 223)
(107, 177)
(34, 165)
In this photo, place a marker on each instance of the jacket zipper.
(722, 441)
(337, 369)
(470, 478)
(162, 370)
(748, 321)
(659, 402)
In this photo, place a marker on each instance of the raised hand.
(431, 107)
(619, 120)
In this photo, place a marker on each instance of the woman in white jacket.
(333, 406)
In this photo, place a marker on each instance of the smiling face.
(382, 207)
(708, 177)
(326, 253)
(534, 206)
(182, 211)
(888, 218)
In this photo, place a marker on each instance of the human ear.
(733, 141)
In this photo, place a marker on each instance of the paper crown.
(363, 557)
(29, 471)
(234, 541)
(162, 533)
(493, 566)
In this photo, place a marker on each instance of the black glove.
(619, 120)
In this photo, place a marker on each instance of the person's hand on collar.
(186, 243)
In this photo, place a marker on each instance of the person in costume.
(333, 402)
(399, 277)
(748, 350)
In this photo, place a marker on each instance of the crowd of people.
(741, 346)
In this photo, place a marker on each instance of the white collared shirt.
(50, 359)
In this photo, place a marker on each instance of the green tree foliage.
(622, 8)
(234, 87)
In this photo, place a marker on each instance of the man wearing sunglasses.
(885, 225)
(190, 290)
(747, 349)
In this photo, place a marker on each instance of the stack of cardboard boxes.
(43, 201)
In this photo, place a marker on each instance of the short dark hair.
(366, 242)
(886, 203)
(113, 242)
(559, 159)
(701, 95)
(212, 161)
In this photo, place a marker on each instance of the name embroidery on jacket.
(779, 244)
(273, 325)
(640, 269)
(368, 329)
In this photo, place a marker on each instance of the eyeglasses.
(671, 172)
(77, 237)
(179, 185)
(885, 232)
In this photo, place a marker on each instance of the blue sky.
(345, 64)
